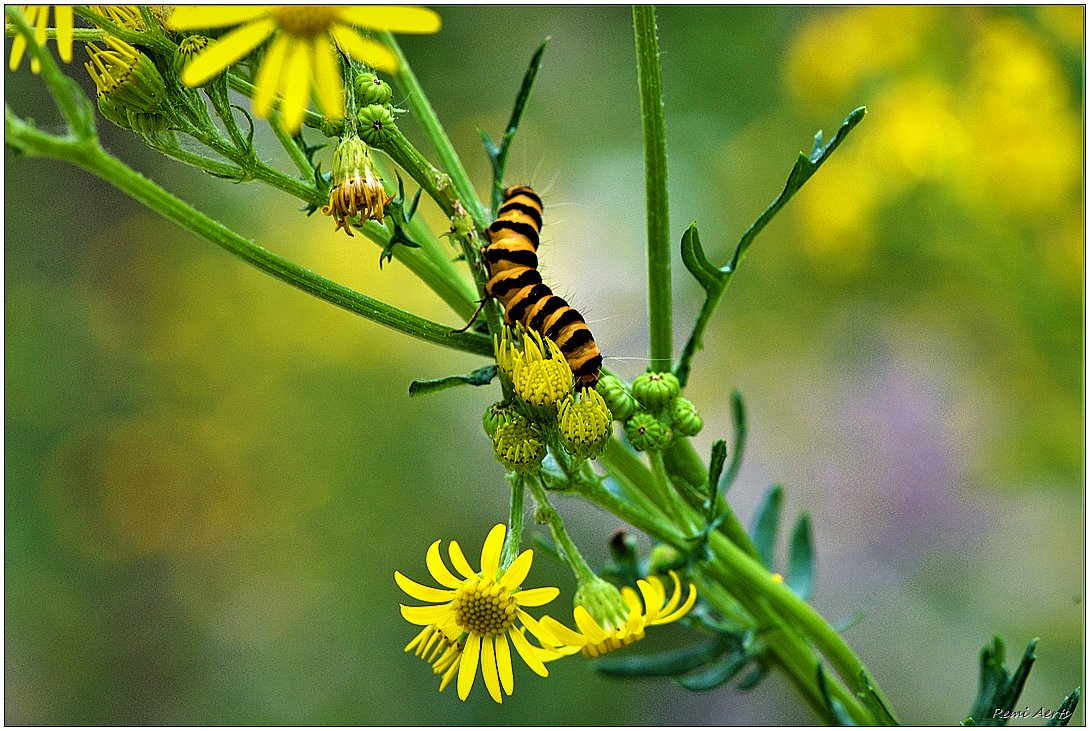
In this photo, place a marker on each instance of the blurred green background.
(211, 478)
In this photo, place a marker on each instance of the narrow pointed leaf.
(758, 674)
(696, 261)
(715, 470)
(800, 558)
(738, 418)
(719, 673)
(480, 377)
(669, 663)
(1066, 710)
(999, 690)
(766, 525)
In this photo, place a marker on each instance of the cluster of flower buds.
(652, 410)
(375, 115)
(547, 408)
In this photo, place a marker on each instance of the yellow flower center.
(305, 21)
(484, 607)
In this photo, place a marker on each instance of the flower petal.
(467, 666)
(519, 569)
(421, 592)
(459, 560)
(193, 17)
(526, 652)
(327, 79)
(364, 50)
(563, 633)
(40, 35)
(18, 44)
(681, 611)
(488, 668)
(426, 615)
(267, 83)
(490, 554)
(224, 52)
(503, 662)
(590, 628)
(295, 86)
(394, 18)
(671, 604)
(539, 631)
(439, 570)
(62, 18)
(536, 597)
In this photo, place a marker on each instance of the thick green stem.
(31, 141)
(514, 535)
(653, 113)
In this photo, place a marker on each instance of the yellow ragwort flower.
(538, 371)
(37, 16)
(477, 614)
(302, 53)
(609, 630)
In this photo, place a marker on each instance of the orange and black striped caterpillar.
(513, 279)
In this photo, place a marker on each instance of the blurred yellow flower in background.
(302, 54)
(37, 16)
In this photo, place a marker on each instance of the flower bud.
(376, 124)
(538, 371)
(519, 445)
(585, 423)
(606, 606)
(189, 49)
(654, 391)
(645, 432)
(370, 89)
(357, 188)
(126, 78)
(686, 421)
(498, 414)
(617, 398)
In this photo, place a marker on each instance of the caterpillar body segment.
(514, 280)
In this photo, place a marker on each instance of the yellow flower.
(608, 629)
(37, 16)
(476, 614)
(538, 371)
(357, 189)
(302, 52)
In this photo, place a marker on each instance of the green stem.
(514, 535)
(31, 141)
(663, 491)
(653, 114)
(297, 157)
(571, 554)
(433, 130)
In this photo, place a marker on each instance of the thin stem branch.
(653, 114)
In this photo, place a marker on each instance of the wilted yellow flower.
(302, 52)
(37, 16)
(357, 188)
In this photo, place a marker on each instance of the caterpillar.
(513, 279)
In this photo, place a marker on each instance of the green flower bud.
(685, 419)
(585, 423)
(645, 432)
(655, 391)
(148, 124)
(370, 89)
(519, 445)
(126, 78)
(189, 49)
(617, 397)
(498, 414)
(662, 558)
(376, 123)
(603, 601)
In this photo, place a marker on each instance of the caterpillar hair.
(514, 280)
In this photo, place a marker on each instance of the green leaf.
(999, 690)
(1066, 710)
(668, 663)
(480, 377)
(766, 525)
(715, 469)
(719, 673)
(497, 154)
(738, 417)
(874, 701)
(800, 558)
(848, 622)
(839, 712)
(715, 279)
(754, 678)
